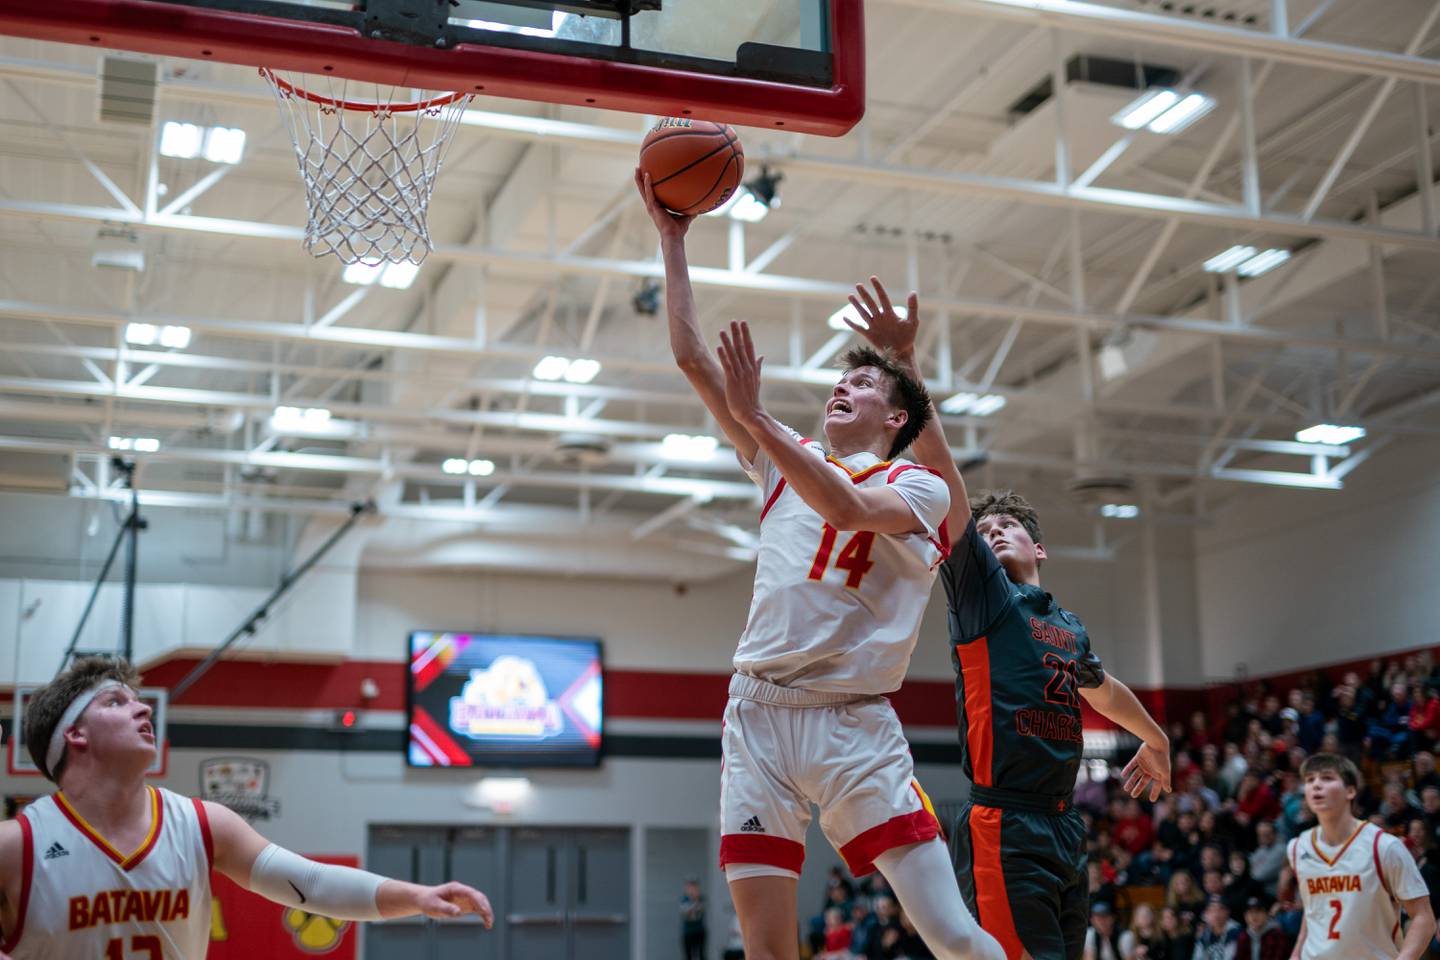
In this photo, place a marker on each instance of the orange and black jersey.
(1020, 660)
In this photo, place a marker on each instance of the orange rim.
(290, 89)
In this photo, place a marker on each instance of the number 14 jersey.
(1350, 893)
(839, 610)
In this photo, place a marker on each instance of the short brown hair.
(47, 705)
(993, 503)
(1332, 761)
(906, 392)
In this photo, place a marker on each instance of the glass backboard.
(792, 64)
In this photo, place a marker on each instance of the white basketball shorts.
(784, 749)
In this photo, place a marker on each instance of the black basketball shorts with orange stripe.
(1023, 877)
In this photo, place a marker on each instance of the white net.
(369, 165)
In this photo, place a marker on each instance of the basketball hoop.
(369, 165)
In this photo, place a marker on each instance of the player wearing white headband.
(110, 867)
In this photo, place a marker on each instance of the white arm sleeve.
(342, 893)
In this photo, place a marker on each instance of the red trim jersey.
(82, 899)
(839, 610)
(1350, 893)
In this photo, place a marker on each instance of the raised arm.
(343, 893)
(12, 862)
(692, 354)
(1150, 767)
(838, 501)
(885, 329)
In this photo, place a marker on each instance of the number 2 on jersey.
(1335, 920)
(141, 948)
(854, 556)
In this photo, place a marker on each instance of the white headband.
(68, 718)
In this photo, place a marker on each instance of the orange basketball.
(694, 165)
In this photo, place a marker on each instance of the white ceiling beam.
(431, 475)
(1094, 199)
(1192, 34)
(799, 287)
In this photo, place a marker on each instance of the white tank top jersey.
(839, 611)
(81, 899)
(1350, 893)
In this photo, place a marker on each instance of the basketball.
(694, 165)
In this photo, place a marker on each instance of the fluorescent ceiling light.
(455, 466)
(684, 446)
(480, 468)
(838, 318)
(1184, 113)
(399, 276)
(138, 444)
(175, 337)
(1120, 511)
(987, 405)
(1112, 361)
(224, 145)
(1229, 260)
(1146, 108)
(1164, 111)
(972, 404)
(551, 368)
(958, 404)
(362, 274)
(1330, 434)
(182, 140)
(1263, 263)
(582, 370)
(748, 209)
(143, 334)
(292, 418)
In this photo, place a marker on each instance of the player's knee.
(970, 943)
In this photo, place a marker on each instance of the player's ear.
(898, 418)
(1040, 552)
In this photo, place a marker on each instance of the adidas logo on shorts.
(752, 826)
(56, 851)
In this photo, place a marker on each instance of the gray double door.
(558, 892)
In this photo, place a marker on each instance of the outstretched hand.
(742, 373)
(1148, 769)
(884, 328)
(454, 899)
(670, 225)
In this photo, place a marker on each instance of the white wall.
(1293, 578)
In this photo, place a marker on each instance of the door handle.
(599, 918)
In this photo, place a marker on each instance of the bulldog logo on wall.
(240, 783)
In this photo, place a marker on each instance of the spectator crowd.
(1202, 874)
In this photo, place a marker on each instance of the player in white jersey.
(109, 868)
(1354, 877)
(849, 543)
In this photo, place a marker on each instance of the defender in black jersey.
(1022, 665)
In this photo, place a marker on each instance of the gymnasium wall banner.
(240, 783)
(246, 926)
(503, 699)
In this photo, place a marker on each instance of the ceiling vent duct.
(127, 90)
(582, 449)
(1098, 488)
(1102, 71)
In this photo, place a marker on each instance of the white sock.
(924, 882)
